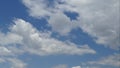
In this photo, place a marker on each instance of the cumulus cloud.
(24, 38)
(9, 38)
(37, 42)
(61, 23)
(57, 20)
(98, 18)
(101, 21)
(41, 43)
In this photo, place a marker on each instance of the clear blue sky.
(83, 36)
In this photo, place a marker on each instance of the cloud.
(77, 67)
(13, 62)
(112, 60)
(61, 66)
(22, 38)
(36, 42)
(41, 43)
(98, 18)
(35, 6)
(2, 60)
(61, 23)
(16, 63)
(4, 51)
(101, 21)
(65, 66)
(57, 19)
(9, 38)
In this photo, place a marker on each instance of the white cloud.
(16, 63)
(9, 38)
(4, 51)
(77, 67)
(65, 66)
(13, 62)
(61, 23)
(40, 43)
(101, 21)
(24, 38)
(98, 18)
(35, 6)
(112, 60)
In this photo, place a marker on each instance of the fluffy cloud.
(41, 43)
(101, 21)
(24, 38)
(9, 38)
(28, 39)
(61, 23)
(98, 18)
(57, 19)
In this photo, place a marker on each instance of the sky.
(59, 34)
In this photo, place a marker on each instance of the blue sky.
(59, 34)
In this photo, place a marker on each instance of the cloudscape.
(59, 34)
